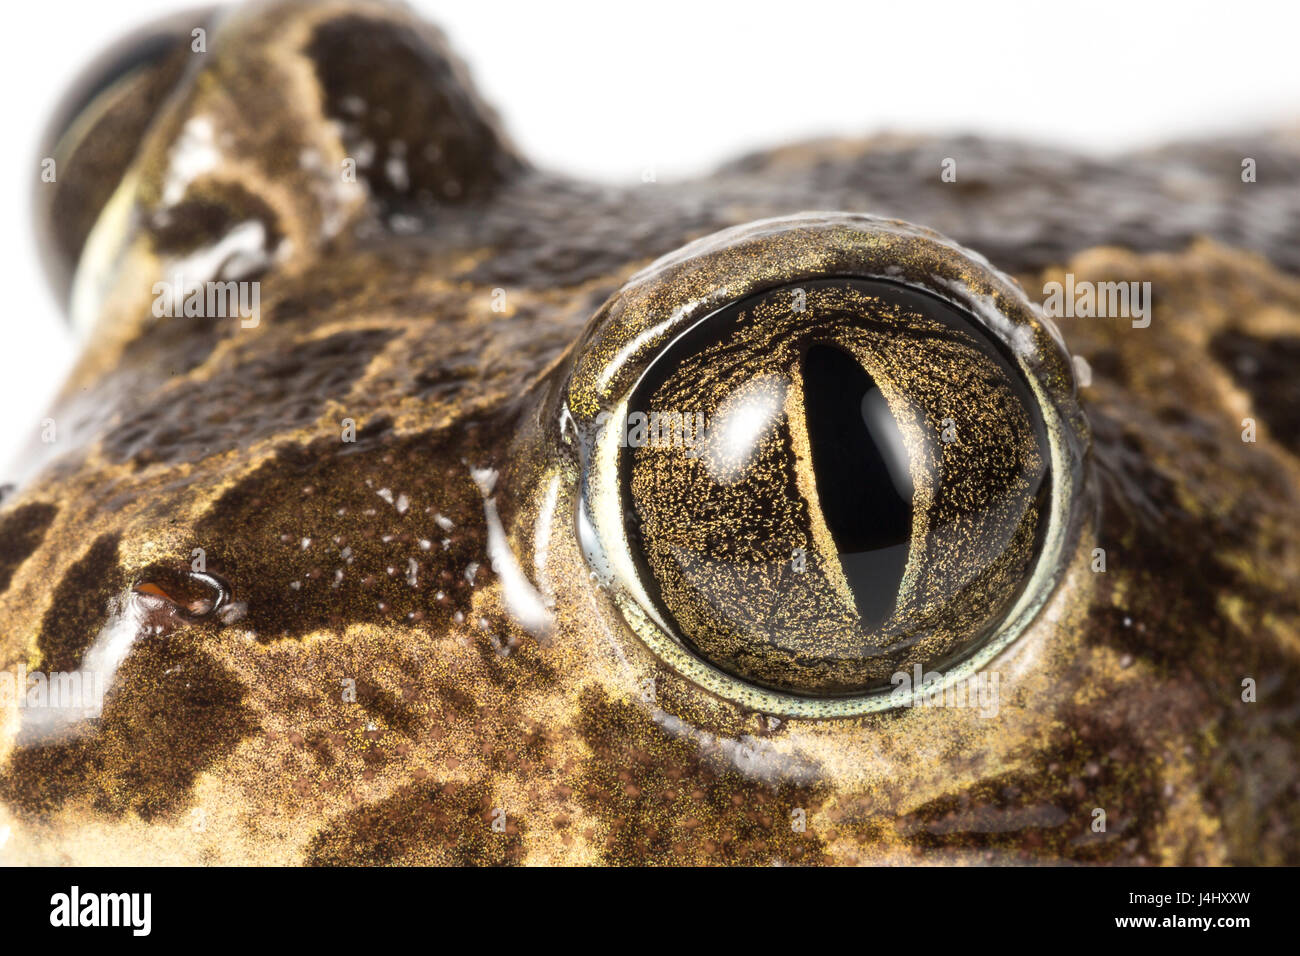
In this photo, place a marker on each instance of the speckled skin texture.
(229, 734)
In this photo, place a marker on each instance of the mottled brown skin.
(227, 737)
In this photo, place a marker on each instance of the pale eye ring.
(797, 490)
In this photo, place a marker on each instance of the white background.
(608, 88)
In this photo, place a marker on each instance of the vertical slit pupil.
(862, 485)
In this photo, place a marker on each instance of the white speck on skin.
(234, 611)
(403, 225)
(99, 665)
(194, 154)
(240, 252)
(395, 169)
(485, 478)
(542, 527)
(1082, 371)
(522, 601)
(755, 757)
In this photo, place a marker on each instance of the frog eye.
(797, 489)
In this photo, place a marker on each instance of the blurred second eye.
(825, 483)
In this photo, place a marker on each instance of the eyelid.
(682, 288)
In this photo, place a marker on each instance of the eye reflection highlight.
(743, 420)
(882, 422)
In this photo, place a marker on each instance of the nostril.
(194, 595)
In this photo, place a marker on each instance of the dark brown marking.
(341, 552)
(210, 210)
(1095, 761)
(441, 824)
(21, 533)
(171, 713)
(398, 91)
(661, 802)
(245, 402)
(80, 606)
(1266, 368)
